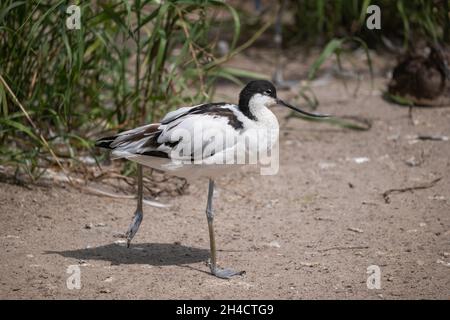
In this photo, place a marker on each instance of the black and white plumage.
(202, 141)
(164, 145)
(160, 146)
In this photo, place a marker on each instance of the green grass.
(130, 62)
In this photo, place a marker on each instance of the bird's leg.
(218, 272)
(138, 215)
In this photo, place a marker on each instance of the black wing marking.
(212, 109)
(144, 140)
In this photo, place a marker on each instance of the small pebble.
(274, 244)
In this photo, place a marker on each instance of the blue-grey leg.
(138, 215)
(215, 270)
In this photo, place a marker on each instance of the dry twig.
(418, 187)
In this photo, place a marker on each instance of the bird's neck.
(255, 107)
(244, 107)
(262, 116)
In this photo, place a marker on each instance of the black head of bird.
(263, 92)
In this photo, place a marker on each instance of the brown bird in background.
(423, 76)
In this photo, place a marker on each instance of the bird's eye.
(268, 92)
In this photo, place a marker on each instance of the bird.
(423, 75)
(188, 142)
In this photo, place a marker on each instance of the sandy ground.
(309, 232)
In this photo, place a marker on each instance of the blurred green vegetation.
(406, 20)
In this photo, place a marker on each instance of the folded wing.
(188, 134)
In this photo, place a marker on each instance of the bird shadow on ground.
(156, 254)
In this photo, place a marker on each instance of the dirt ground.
(309, 232)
